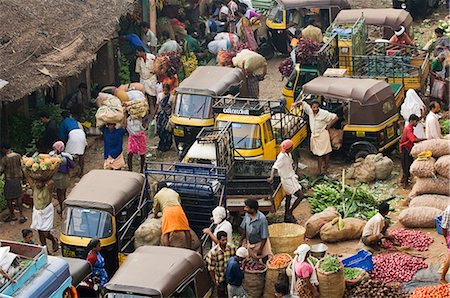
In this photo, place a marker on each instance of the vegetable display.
(329, 264)
(253, 265)
(305, 53)
(445, 125)
(440, 291)
(352, 273)
(445, 25)
(395, 267)
(279, 261)
(375, 289)
(348, 201)
(409, 238)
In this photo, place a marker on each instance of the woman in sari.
(162, 118)
(97, 262)
(244, 29)
(304, 277)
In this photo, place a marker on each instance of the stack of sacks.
(431, 191)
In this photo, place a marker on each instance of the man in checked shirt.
(445, 225)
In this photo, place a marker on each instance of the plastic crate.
(437, 220)
(363, 260)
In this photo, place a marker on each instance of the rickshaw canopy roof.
(79, 269)
(295, 4)
(388, 17)
(211, 80)
(365, 91)
(105, 190)
(155, 271)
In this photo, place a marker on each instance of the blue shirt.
(135, 41)
(256, 229)
(234, 274)
(67, 126)
(112, 142)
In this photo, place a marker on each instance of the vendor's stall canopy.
(42, 42)
(171, 268)
(211, 80)
(371, 101)
(296, 4)
(383, 17)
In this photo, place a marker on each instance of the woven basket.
(41, 175)
(254, 282)
(272, 277)
(286, 237)
(331, 284)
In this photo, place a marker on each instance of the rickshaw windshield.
(87, 223)
(193, 106)
(245, 136)
(276, 14)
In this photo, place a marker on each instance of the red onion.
(409, 238)
(396, 267)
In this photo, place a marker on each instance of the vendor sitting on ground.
(173, 217)
(376, 228)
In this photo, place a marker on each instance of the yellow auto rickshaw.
(108, 205)
(194, 98)
(368, 116)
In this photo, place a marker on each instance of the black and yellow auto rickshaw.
(282, 13)
(194, 99)
(109, 205)
(367, 112)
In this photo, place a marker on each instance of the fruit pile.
(41, 161)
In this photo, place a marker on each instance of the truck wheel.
(361, 154)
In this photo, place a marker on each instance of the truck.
(30, 272)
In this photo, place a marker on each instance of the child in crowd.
(27, 236)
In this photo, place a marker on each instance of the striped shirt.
(11, 166)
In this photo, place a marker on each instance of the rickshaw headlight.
(404, 5)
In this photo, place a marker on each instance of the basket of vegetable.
(330, 273)
(275, 265)
(286, 237)
(354, 276)
(41, 167)
(440, 291)
(254, 278)
(374, 289)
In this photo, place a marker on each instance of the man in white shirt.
(289, 179)
(149, 37)
(432, 126)
(445, 225)
(376, 228)
(144, 67)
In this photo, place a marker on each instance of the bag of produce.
(352, 229)
(148, 233)
(438, 147)
(106, 99)
(132, 86)
(109, 114)
(254, 278)
(41, 167)
(330, 273)
(315, 222)
(276, 264)
(419, 217)
(423, 168)
(177, 239)
(439, 186)
(435, 201)
(336, 137)
(442, 166)
(135, 95)
(383, 168)
(137, 108)
(249, 61)
(364, 171)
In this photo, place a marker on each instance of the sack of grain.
(254, 282)
(423, 168)
(331, 284)
(315, 222)
(106, 99)
(419, 217)
(365, 171)
(383, 168)
(109, 114)
(439, 186)
(442, 166)
(353, 228)
(250, 61)
(435, 201)
(122, 95)
(439, 147)
(336, 137)
(148, 233)
(177, 239)
(135, 95)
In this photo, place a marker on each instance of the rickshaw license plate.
(68, 253)
(390, 132)
(178, 132)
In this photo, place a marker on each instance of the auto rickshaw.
(367, 112)
(108, 205)
(417, 8)
(160, 271)
(280, 15)
(194, 98)
(387, 19)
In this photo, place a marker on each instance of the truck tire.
(361, 154)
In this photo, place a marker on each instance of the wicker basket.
(41, 175)
(286, 237)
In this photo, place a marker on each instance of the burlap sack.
(435, 201)
(254, 282)
(383, 168)
(353, 228)
(132, 86)
(442, 166)
(419, 217)
(438, 147)
(106, 99)
(177, 239)
(109, 114)
(336, 137)
(365, 172)
(315, 222)
(148, 233)
(331, 285)
(423, 168)
(250, 61)
(439, 186)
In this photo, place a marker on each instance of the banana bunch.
(190, 63)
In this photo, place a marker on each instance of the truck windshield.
(87, 223)
(245, 136)
(276, 14)
(193, 106)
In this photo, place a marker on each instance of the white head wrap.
(300, 257)
(219, 214)
(400, 31)
(242, 252)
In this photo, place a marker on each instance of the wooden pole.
(153, 16)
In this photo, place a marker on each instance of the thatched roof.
(42, 41)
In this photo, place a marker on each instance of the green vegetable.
(313, 260)
(329, 264)
(445, 124)
(351, 273)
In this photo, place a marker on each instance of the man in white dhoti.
(289, 179)
(320, 121)
(147, 77)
